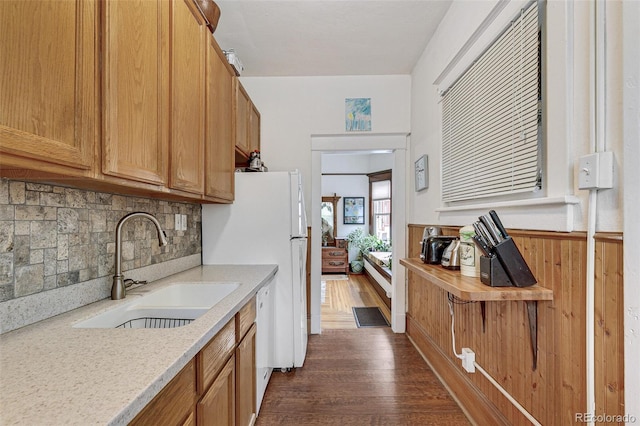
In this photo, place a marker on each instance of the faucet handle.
(128, 282)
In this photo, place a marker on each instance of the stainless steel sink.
(173, 306)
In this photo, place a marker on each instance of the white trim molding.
(559, 213)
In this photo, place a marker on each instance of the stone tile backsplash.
(52, 236)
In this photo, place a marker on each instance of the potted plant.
(373, 243)
(363, 243)
(356, 239)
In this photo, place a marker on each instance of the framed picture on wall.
(422, 173)
(353, 211)
(357, 114)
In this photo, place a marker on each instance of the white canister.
(469, 253)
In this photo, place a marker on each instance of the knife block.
(513, 263)
(492, 273)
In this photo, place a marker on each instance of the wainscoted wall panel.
(53, 236)
(609, 326)
(556, 390)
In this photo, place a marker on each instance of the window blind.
(380, 189)
(490, 119)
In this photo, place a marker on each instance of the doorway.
(396, 144)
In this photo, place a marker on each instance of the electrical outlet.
(177, 222)
(183, 222)
(468, 360)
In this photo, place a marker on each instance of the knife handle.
(484, 233)
(498, 222)
(480, 233)
(481, 244)
(488, 223)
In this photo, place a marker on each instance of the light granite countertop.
(54, 374)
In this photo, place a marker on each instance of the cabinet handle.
(336, 253)
(333, 263)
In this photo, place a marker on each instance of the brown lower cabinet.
(174, 404)
(217, 406)
(218, 386)
(246, 379)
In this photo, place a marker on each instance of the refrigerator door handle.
(298, 211)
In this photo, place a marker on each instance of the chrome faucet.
(118, 288)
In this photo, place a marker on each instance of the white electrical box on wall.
(595, 171)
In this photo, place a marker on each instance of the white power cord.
(508, 396)
(453, 333)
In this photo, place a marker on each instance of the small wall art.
(357, 114)
(422, 173)
(353, 211)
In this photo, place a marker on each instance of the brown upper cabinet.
(186, 146)
(48, 95)
(135, 135)
(247, 125)
(219, 152)
(163, 125)
(254, 128)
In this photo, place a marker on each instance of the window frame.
(379, 177)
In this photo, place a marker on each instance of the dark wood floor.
(366, 376)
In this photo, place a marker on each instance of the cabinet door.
(254, 128)
(48, 88)
(246, 379)
(242, 102)
(135, 90)
(187, 53)
(191, 420)
(219, 145)
(174, 404)
(217, 407)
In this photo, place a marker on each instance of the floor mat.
(369, 317)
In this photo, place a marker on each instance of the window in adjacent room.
(491, 118)
(380, 196)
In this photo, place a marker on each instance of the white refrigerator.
(266, 224)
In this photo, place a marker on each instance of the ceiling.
(325, 37)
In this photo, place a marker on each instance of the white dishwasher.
(264, 340)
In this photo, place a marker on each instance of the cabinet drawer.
(174, 403)
(334, 263)
(212, 357)
(245, 318)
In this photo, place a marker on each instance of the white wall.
(567, 104)
(345, 163)
(347, 186)
(364, 163)
(294, 108)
